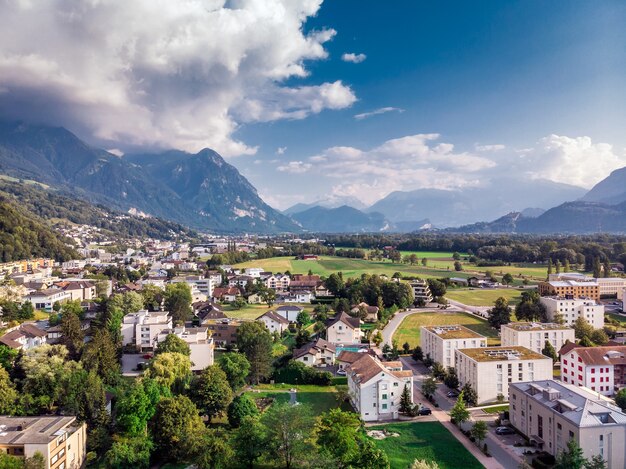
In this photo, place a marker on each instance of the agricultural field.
(424, 440)
(409, 329)
(483, 296)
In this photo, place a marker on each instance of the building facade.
(535, 335)
(573, 288)
(421, 291)
(601, 369)
(570, 308)
(142, 328)
(344, 329)
(440, 342)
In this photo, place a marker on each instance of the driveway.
(395, 322)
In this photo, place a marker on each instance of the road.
(502, 457)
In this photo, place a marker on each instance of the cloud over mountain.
(162, 73)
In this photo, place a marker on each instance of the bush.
(298, 373)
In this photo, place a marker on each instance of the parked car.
(147, 356)
(341, 372)
(504, 431)
(453, 393)
(424, 411)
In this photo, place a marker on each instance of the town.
(208, 333)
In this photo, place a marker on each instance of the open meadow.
(484, 296)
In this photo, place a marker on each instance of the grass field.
(424, 440)
(320, 398)
(254, 311)
(496, 409)
(617, 317)
(483, 296)
(440, 264)
(409, 329)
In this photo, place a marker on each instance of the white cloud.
(116, 152)
(375, 112)
(295, 167)
(353, 58)
(496, 147)
(165, 73)
(570, 160)
(281, 150)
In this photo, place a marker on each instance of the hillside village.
(163, 304)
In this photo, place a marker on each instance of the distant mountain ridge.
(342, 219)
(201, 190)
(611, 190)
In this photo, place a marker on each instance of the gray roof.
(582, 408)
(33, 430)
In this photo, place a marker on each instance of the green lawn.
(496, 409)
(617, 317)
(425, 440)
(320, 398)
(409, 330)
(483, 296)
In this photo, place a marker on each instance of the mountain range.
(198, 190)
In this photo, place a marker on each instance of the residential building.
(45, 299)
(607, 286)
(203, 285)
(551, 414)
(304, 283)
(274, 322)
(226, 294)
(254, 271)
(142, 328)
(223, 331)
(61, 440)
(535, 335)
(490, 370)
(289, 312)
(78, 289)
(241, 281)
(375, 387)
(573, 288)
(317, 353)
(421, 291)
(570, 308)
(370, 312)
(344, 329)
(200, 344)
(279, 282)
(24, 337)
(601, 369)
(440, 342)
(347, 358)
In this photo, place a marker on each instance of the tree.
(479, 431)
(335, 284)
(406, 401)
(424, 261)
(530, 308)
(596, 462)
(597, 269)
(571, 458)
(459, 413)
(451, 380)
(599, 337)
(406, 348)
(173, 344)
(152, 297)
(582, 328)
(36, 461)
(370, 457)
(418, 354)
(289, 431)
(456, 256)
(100, 355)
(84, 396)
(549, 351)
(458, 266)
(429, 387)
(255, 341)
(8, 394)
(303, 319)
(171, 370)
(8, 356)
(437, 288)
(176, 428)
(302, 337)
(211, 392)
(549, 266)
(469, 394)
(377, 339)
(249, 441)
(338, 434)
(178, 301)
(424, 464)
(240, 302)
(620, 399)
(137, 406)
(500, 313)
(71, 331)
(129, 453)
(237, 367)
(438, 371)
(214, 452)
(241, 407)
(507, 279)
(268, 296)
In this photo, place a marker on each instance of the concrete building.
(202, 284)
(45, 299)
(200, 344)
(421, 291)
(344, 329)
(24, 337)
(440, 342)
(274, 322)
(376, 387)
(61, 440)
(81, 290)
(142, 328)
(223, 331)
(289, 312)
(601, 369)
(534, 335)
(491, 370)
(571, 308)
(317, 353)
(552, 413)
(573, 288)
(607, 286)
(278, 282)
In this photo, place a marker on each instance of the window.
(384, 406)
(593, 370)
(558, 425)
(571, 434)
(384, 397)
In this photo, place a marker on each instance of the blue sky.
(474, 90)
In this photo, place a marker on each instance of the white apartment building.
(202, 284)
(601, 369)
(440, 342)
(45, 299)
(552, 413)
(279, 282)
(421, 291)
(570, 309)
(274, 322)
(200, 344)
(376, 387)
(142, 328)
(491, 370)
(535, 335)
(344, 329)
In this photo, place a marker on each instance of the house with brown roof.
(369, 313)
(317, 353)
(344, 329)
(376, 387)
(601, 369)
(78, 289)
(301, 283)
(226, 294)
(24, 337)
(274, 322)
(347, 358)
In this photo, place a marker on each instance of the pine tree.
(549, 351)
(406, 402)
(459, 412)
(597, 269)
(549, 266)
(558, 266)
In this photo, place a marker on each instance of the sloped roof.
(367, 367)
(354, 323)
(348, 356)
(318, 345)
(273, 316)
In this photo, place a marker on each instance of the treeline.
(24, 236)
(50, 205)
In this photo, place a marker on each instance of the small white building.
(344, 329)
(376, 387)
(317, 353)
(289, 312)
(535, 335)
(142, 328)
(274, 322)
(440, 342)
(254, 271)
(490, 370)
(24, 337)
(200, 344)
(570, 308)
(45, 299)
